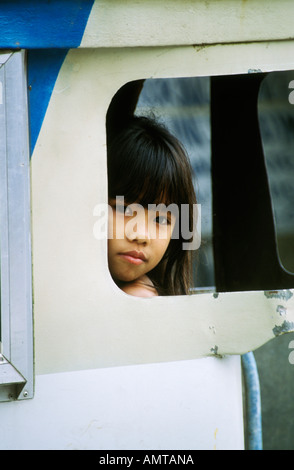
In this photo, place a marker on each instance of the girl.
(148, 167)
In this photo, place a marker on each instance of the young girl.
(148, 167)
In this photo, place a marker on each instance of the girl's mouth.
(134, 257)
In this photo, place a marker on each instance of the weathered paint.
(42, 24)
(116, 23)
(284, 294)
(72, 284)
(281, 310)
(121, 23)
(286, 327)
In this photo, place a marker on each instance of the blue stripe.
(47, 29)
(43, 69)
(43, 24)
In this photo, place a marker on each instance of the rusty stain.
(285, 294)
(286, 327)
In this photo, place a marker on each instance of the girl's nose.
(136, 229)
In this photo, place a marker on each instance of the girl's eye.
(162, 220)
(128, 211)
(124, 209)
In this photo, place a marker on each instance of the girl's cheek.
(164, 232)
(152, 230)
(118, 225)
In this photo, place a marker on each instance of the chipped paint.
(286, 327)
(215, 352)
(254, 71)
(281, 310)
(285, 294)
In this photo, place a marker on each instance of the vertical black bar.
(244, 237)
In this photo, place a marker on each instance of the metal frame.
(16, 358)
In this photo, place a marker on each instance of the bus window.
(182, 105)
(216, 119)
(276, 117)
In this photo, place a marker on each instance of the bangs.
(145, 180)
(146, 169)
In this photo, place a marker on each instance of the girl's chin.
(122, 279)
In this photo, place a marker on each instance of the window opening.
(182, 105)
(216, 118)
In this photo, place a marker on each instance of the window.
(228, 142)
(183, 106)
(16, 358)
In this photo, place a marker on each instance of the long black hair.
(148, 165)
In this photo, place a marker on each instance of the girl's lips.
(134, 257)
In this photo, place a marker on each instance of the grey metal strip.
(15, 238)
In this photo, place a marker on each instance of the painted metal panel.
(73, 287)
(183, 405)
(85, 23)
(30, 24)
(131, 23)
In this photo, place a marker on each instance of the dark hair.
(146, 164)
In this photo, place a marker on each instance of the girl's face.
(138, 239)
